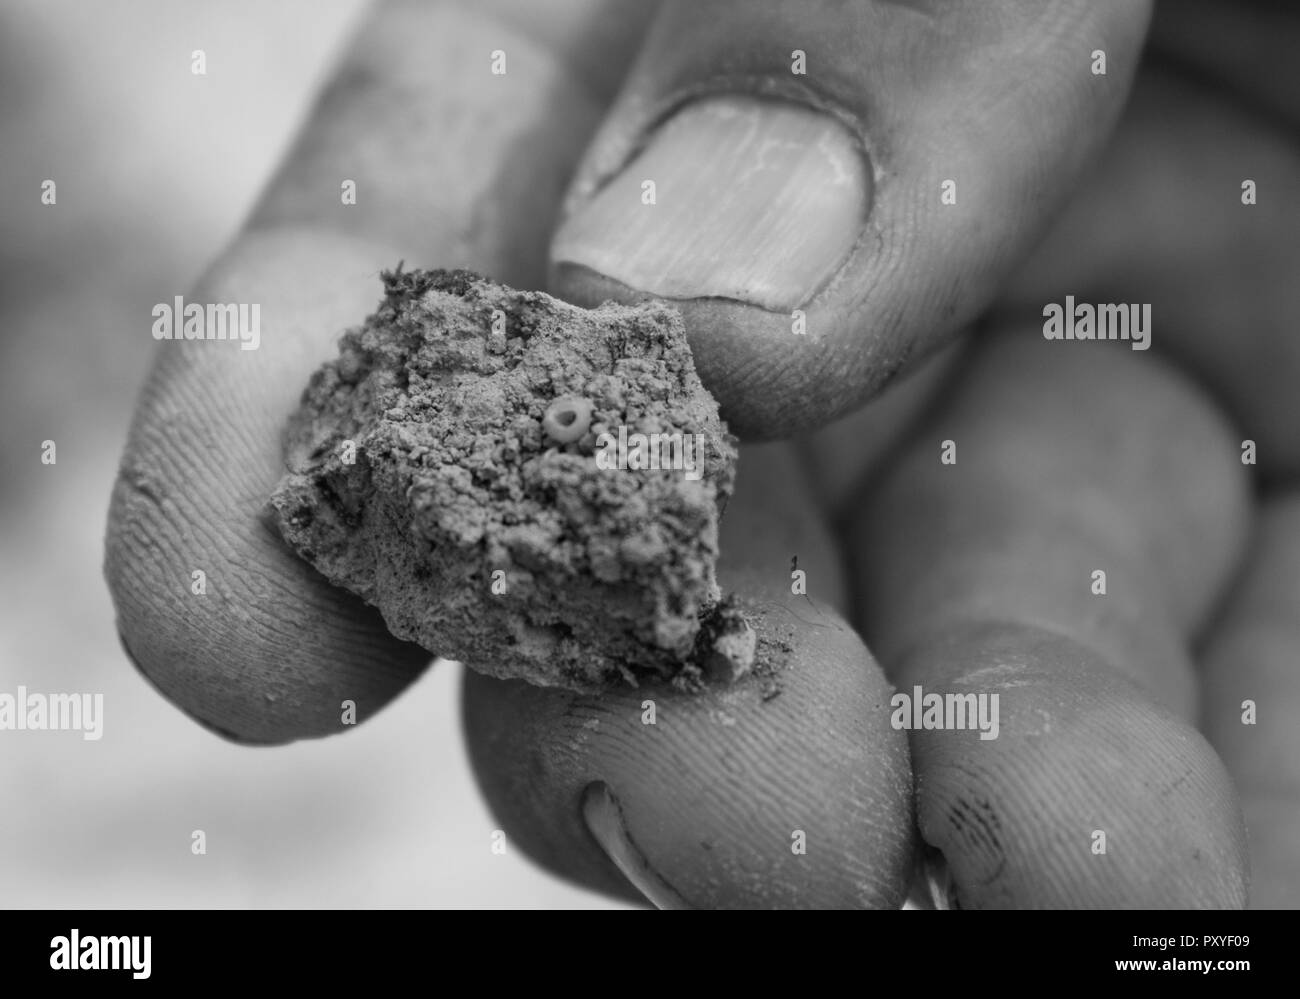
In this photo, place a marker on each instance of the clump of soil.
(457, 467)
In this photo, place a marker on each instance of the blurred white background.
(155, 170)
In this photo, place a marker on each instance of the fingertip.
(786, 789)
(222, 617)
(1088, 796)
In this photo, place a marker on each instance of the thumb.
(832, 189)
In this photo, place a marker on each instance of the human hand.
(454, 166)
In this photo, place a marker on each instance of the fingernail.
(938, 878)
(733, 197)
(604, 819)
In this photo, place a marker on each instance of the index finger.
(414, 151)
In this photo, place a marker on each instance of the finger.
(448, 164)
(1088, 786)
(456, 157)
(844, 456)
(800, 155)
(1251, 668)
(787, 788)
(1193, 211)
(1247, 47)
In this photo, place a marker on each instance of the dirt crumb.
(528, 487)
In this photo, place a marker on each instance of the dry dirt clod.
(451, 478)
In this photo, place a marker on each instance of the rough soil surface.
(439, 468)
